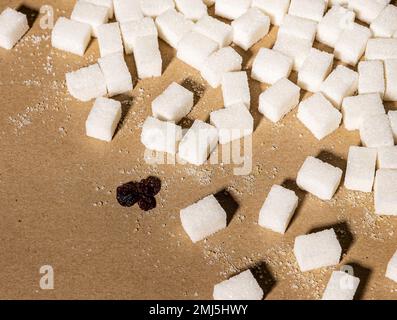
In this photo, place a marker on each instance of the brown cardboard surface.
(57, 193)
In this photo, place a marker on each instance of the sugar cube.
(342, 82)
(309, 9)
(375, 131)
(275, 9)
(109, 39)
(381, 49)
(215, 29)
(391, 271)
(367, 10)
(240, 287)
(217, 64)
(235, 89)
(117, 76)
(371, 77)
(231, 9)
(192, 9)
(148, 57)
(86, 83)
(278, 209)
(90, 14)
(332, 3)
(279, 99)
(154, 8)
(233, 123)
(194, 49)
(173, 104)
(103, 119)
(270, 66)
(250, 27)
(70, 36)
(197, 144)
(393, 122)
(317, 250)
(161, 136)
(319, 116)
(298, 27)
(391, 80)
(127, 10)
(341, 286)
(357, 108)
(315, 69)
(319, 178)
(135, 29)
(387, 157)
(104, 3)
(13, 25)
(385, 25)
(385, 192)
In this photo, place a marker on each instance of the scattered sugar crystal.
(231, 9)
(391, 80)
(385, 192)
(309, 9)
(133, 30)
(381, 49)
(375, 131)
(341, 286)
(367, 10)
(154, 8)
(192, 9)
(235, 89)
(90, 14)
(298, 27)
(393, 122)
(148, 57)
(109, 39)
(127, 10)
(275, 9)
(391, 271)
(371, 77)
(387, 157)
(13, 25)
(385, 25)
(215, 30)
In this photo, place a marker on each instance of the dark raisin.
(147, 203)
(127, 194)
(150, 186)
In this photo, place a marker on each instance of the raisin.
(150, 186)
(147, 203)
(127, 194)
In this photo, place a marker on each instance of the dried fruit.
(150, 186)
(147, 203)
(127, 194)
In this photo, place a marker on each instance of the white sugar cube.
(104, 3)
(367, 10)
(391, 80)
(315, 69)
(319, 178)
(148, 57)
(109, 39)
(215, 29)
(70, 36)
(341, 286)
(86, 83)
(391, 271)
(103, 119)
(232, 123)
(135, 29)
(298, 27)
(319, 116)
(375, 131)
(90, 14)
(154, 8)
(173, 104)
(309, 9)
(231, 9)
(13, 25)
(371, 77)
(192, 9)
(127, 10)
(385, 192)
(197, 144)
(317, 250)
(194, 49)
(387, 157)
(342, 82)
(278, 209)
(275, 9)
(332, 3)
(279, 99)
(357, 108)
(217, 64)
(385, 25)
(393, 122)
(270, 66)
(235, 89)
(161, 136)
(117, 76)
(381, 49)
(360, 170)
(250, 27)
(240, 287)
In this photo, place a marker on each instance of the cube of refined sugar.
(385, 192)
(367, 10)
(90, 14)
(104, 3)
(317, 250)
(391, 80)
(298, 27)
(332, 25)
(381, 49)
(197, 144)
(319, 178)
(250, 27)
(387, 157)
(371, 77)
(117, 76)
(233, 123)
(357, 108)
(215, 29)
(127, 10)
(70, 36)
(278, 209)
(275, 9)
(173, 104)
(13, 25)
(192, 9)
(161, 136)
(231, 9)
(352, 43)
(154, 8)
(86, 83)
(103, 119)
(309, 9)
(217, 64)
(148, 57)
(109, 39)
(375, 131)
(393, 122)
(385, 25)
(194, 49)
(270, 66)
(315, 69)
(332, 3)
(279, 99)
(240, 287)
(319, 116)
(235, 89)
(391, 271)
(135, 29)
(360, 170)
(342, 82)
(341, 286)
